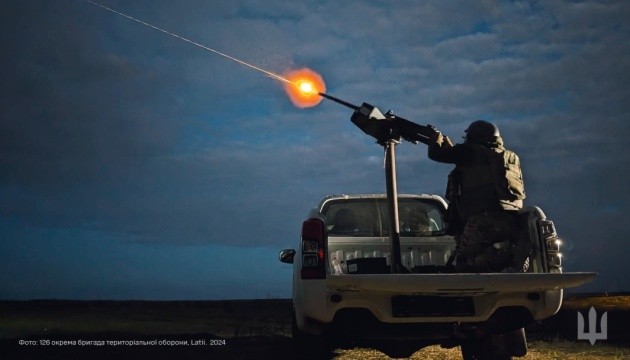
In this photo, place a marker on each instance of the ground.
(245, 329)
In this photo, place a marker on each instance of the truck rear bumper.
(361, 324)
(419, 300)
(384, 315)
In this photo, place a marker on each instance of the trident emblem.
(592, 335)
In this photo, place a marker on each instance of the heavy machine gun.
(384, 127)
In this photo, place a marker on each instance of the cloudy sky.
(134, 165)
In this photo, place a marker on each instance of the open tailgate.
(458, 283)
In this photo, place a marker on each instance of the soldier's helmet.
(482, 132)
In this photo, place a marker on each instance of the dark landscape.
(246, 329)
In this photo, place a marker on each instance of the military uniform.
(485, 191)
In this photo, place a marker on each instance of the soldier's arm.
(441, 149)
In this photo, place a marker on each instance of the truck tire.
(308, 346)
(499, 346)
(516, 342)
(477, 350)
(398, 349)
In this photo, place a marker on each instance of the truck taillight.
(313, 249)
(549, 234)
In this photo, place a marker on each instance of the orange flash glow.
(304, 87)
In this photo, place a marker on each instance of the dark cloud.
(114, 128)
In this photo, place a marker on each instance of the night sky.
(134, 165)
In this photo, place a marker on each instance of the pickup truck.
(344, 289)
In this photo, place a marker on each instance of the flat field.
(250, 329)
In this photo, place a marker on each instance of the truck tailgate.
(457, 283)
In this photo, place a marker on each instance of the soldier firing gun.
(485, 189)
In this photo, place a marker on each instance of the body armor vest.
(492, 181)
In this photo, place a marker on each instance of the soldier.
(485, 191)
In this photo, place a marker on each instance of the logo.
(592, 335)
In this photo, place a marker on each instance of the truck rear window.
(369, 217)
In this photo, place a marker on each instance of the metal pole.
(392, 203)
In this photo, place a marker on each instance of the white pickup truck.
(343, 287)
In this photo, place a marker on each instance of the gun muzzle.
(339, 101)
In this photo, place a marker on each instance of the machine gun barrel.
(339, 101)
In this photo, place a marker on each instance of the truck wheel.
(500, 346)
(308, 346)
(471, 350)
(399, 349)
(478, 351)
(515, 342)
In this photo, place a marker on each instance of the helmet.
(482, 132)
